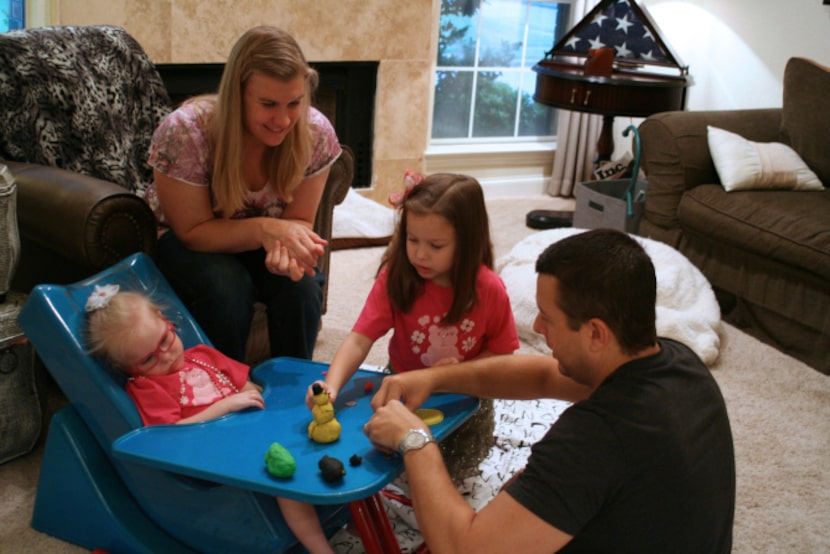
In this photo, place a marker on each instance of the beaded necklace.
(219, 378)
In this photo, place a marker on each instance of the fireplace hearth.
(346, 94)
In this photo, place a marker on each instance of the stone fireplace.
(346, 94)
(399, 37)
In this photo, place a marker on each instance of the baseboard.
(499, 187)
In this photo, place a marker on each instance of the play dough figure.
(279, 461)
(324, 428)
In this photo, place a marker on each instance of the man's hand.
(387, 427)
(411, 387)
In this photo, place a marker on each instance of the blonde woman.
(238, 177)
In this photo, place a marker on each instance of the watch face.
(414, 439)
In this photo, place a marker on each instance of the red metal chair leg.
(365, 526)
(384, 527)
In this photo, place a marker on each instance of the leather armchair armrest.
(337, 186)
(675, 152)
(73, 225)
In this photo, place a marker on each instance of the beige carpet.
(779, 409)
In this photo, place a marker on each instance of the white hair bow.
(100, 297)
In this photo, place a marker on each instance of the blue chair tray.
(231, 449)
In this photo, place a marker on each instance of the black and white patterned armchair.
(78, 106)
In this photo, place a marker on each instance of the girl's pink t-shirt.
(176, 396)
(419, 339)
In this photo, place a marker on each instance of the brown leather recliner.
(79, 108)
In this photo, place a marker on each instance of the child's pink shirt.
(419, 339)
(176, 396)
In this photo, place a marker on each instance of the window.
(484, 81)
(11, 15)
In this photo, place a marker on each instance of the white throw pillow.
(743, 164)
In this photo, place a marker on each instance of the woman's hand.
(301, 244)
(279, 262)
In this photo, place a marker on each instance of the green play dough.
(279, 461)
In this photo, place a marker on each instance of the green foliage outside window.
(486, 51)
(11, 15)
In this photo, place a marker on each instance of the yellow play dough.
(430, 416)
(324, 428)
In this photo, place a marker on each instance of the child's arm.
(250, 385)
(346, 360)
(246, 398)
(449, 360)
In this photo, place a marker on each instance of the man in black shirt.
(643, 461)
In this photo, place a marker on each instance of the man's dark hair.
(605, 274)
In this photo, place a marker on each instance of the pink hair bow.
(411, 179)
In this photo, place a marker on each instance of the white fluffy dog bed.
(686, 307)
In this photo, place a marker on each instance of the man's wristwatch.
(413, 440)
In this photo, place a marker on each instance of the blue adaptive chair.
(88, 497)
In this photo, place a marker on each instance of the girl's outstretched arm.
(246, 398)
(346, 360)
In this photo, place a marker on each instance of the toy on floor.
(279, 462)
(324, 428)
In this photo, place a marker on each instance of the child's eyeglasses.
(151, 360)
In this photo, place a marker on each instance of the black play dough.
(331, 468)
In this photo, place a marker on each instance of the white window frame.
(520, 166)
(41, 13)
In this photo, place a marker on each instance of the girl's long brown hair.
(271, 52)
(460, 200)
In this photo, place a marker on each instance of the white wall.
(736, 50)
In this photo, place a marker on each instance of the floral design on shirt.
(181, 150)
(443, 341)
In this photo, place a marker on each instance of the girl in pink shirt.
(437, 291)
(170, 384)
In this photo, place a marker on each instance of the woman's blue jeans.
(219, 290)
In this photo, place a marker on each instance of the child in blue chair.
(436, 289)
(171, 384)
